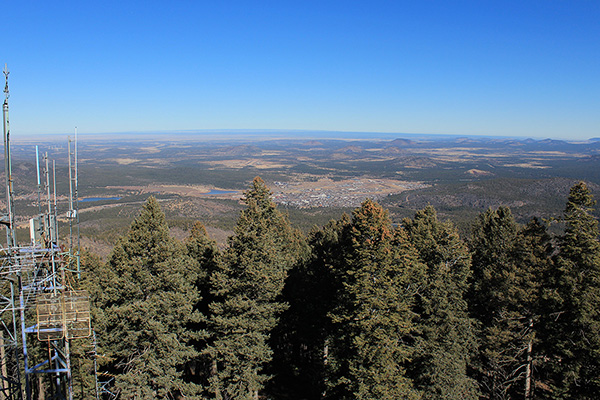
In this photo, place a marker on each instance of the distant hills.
(253, 135)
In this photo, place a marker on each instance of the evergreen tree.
(493, 245)
(448, 336)
(372, 342)
(533, 298)
(247, 288)
(147, 297)
(204, 252)
(202, 249)
(301, 340)
(510, 269)
(577, 334)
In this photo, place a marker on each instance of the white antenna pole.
(76, 177)
(77, 209)
(70, 212)
(49, 199)
(55, 208)
(70, 180)
(37, 164)
(39, 182)
(76, 199)
(54, 181)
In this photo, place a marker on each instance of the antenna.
(6, 72)
(47, 173)
(50, 219)
(36, 293)
(75, 163)
(39, 182)
(71, 212)
(77, 208)
(74, 199)
(55, 208)
(8, 219)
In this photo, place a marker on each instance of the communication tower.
(40, 312)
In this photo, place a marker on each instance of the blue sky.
(508, 68)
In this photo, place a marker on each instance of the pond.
(214, 191)
(87, 199)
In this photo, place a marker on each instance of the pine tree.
(448, 333)
(205, 254)
(301, 339)
(147, 298)
(510, 269)
(533, 298)
(247, 288)
(371, 345)
(577, 336)
(493, 245)
(202, 248)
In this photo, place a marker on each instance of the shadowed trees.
(302, 338)
(511, 287)
(576, 334)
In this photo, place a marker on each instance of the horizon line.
(329, 134)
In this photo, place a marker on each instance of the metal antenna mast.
(39, 182)
(37, 299)
(54, 184)
(71, 213)
(10, 281)
(48, 197)
(9, 218)
(77, 210)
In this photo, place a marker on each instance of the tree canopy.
(360, 308)
(577, 335)
(246, 287)
(147, 299)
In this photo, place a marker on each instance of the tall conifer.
(147, 304)
(533, 294)
(448, 336)
(510, 269)
(205, 255)
(577, 326)
(247, 288)
(374, 318)
(202, 249)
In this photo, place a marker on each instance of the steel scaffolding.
(40, 312)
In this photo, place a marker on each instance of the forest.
(361, 308)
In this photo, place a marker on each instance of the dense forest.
(361, 308)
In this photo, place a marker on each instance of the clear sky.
(510, 68)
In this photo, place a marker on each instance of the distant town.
(344, 193)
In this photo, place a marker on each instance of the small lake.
(88, 199)
(213, 191)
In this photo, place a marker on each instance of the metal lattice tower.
(40, 313)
